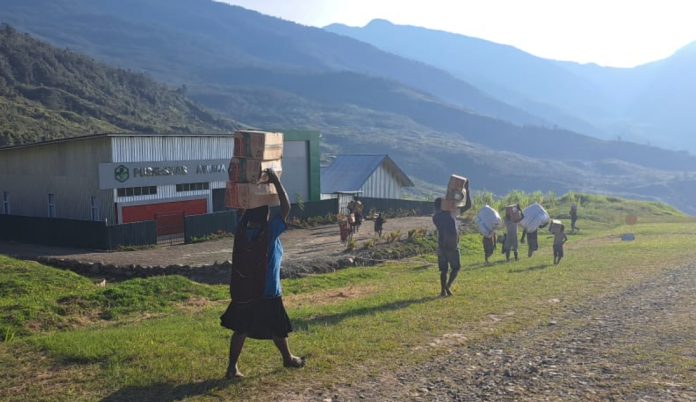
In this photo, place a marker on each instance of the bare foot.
(294, 362)
(233, 374)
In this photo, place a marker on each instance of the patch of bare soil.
(327, 297)
(637, 345)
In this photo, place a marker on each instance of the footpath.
(638, 345)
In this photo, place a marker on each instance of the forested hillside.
(47, 93)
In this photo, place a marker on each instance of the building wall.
(75, 171)
(381, 184)
(295, 175)
(66, 169)
(311, 139)
(127, 149)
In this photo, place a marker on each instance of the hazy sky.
(608, 32)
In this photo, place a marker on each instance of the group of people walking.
(448, 255)
(256, 309)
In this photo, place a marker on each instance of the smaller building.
(370, 176)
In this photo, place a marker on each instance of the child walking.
(559, 239)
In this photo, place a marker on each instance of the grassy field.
(65, 338)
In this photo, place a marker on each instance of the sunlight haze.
(619, 33)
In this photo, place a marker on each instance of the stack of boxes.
(456, 194)
(254, 153)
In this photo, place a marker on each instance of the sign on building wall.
(141, 174)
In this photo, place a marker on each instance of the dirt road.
(638, 345)
(302, 246)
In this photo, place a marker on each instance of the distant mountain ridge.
(263, 72)
(649, 103)
(228, 36)
(46, 93)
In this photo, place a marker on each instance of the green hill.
(47, 93)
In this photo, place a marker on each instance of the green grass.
(390, 321)
(35, 298)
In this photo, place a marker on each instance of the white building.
(370, 176)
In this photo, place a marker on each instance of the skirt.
(258, 319)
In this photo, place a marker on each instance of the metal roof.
(104, 135)
(348, 173)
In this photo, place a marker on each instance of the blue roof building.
(373, 176)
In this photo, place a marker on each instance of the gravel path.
(639, 345)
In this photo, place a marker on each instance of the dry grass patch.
(328, 297)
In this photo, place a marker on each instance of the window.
(192, 187)
(94, 208)
(51, 205)
(6, 202)
(132, 191)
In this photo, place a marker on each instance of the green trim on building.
(312, 138)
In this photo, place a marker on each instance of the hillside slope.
(46, 93)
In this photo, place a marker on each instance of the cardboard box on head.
(250, 195)
(258, 145)
(243, 170)
(456, 191)
(556, 226)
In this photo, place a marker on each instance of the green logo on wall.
(121, 173)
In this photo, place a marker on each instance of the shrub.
(393, 236)
(369, 244)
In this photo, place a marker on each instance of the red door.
(168, 215)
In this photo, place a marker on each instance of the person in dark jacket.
(448, 243)
(573, 218)
(379, 224)
(256, 310)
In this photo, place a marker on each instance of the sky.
(618, 33)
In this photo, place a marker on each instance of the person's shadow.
(167, 392)
(528, 269)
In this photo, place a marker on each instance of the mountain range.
(275, 74)
(648, 103)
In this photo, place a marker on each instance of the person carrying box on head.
(256, 310)
(448, 242)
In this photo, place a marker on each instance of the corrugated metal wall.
(381, 184)
(170, 148)
(66, 169)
